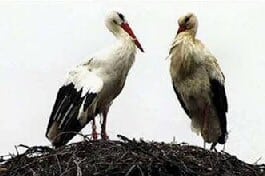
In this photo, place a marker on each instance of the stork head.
(189, 22)
(117, 24)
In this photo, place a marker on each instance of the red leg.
(104, 135)
(94, 130)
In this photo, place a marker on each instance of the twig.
(58, 163)
(78, 168)
(256, 162)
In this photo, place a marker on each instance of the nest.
(126, 158)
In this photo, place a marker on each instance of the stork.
(91, 87)
(198, 83)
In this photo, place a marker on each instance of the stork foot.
(213, 147)
(94, 136)
(104, 136)
(94, 131)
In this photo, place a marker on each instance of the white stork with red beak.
(198, 83)
(91, 87)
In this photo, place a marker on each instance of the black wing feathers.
(182, 103)
(89, 98)
(220, 102)
(65, 112)
(219, 96)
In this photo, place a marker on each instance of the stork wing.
(74, 97)
(217, 86)
(219, 100)
(217, 82)
(216, 77)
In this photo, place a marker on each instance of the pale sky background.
(41, 41)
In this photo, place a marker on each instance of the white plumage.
(84, 79)
(91, 87)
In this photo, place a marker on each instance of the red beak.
(127, 28)
(181, 29)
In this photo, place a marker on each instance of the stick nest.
(126, 158)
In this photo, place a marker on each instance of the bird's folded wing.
(217, 83)
(77, 94)
(219, 100)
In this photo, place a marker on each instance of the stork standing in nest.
(198, 83)
(91, 87)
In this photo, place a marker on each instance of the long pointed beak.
(127, 28)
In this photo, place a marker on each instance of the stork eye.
(114, 21)
(121, 16)
(187, 19)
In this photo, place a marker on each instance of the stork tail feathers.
(59, 137)
(65, 120)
